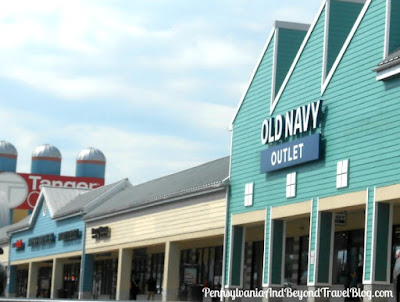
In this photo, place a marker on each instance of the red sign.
(22, 190)
(18, 244)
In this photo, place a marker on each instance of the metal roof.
(91, 154)
(83, 202)
(46, 151)
(200, 178)
(391, 60)
(23, 224)
(7, 148)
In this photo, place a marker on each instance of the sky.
(153, 84)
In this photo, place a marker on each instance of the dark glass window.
(157, 269)
(348, 256)
(257, 265)
(289, 260)
(303, 261)
(71, 280)
(105, 273)
(22, 282)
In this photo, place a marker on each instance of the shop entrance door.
(348, 257)
(44, 282)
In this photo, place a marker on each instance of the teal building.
(315, 158)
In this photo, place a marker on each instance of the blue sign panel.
(290, 154)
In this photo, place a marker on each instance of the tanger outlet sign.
(21, 190)
(298, 121)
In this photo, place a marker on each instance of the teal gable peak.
(275, 61)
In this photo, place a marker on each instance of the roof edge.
(292, 25)
(167, 199)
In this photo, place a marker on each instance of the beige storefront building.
(170, 230)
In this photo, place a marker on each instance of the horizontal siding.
(201, 216)
(360, 122)
(394, 26)
(4, 257)
(45, 225)
(341, 20)
(289, 42)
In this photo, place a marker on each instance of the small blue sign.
(290, 154)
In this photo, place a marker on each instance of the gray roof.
(391, 60)
(58, 198)
(82, 202)
(204, 177)
(24, 223)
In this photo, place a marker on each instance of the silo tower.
(8, 157)
(46, 159)
(91, 162)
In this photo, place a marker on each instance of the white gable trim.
(303, 45)
(274, 65)
(252, 77)
(326, 41)
(345, 46)
(387, 28)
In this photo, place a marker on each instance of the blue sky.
(153, 84)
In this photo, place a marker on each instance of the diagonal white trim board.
(345, 46)
(252, 77)
(303, 45)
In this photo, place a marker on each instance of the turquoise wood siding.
(324, 250)
(260, 89)
(313, 239)
(368, 235)
(289, 42)
(266, 244)
(394, 41)
(360, 121)
(342, 16)
(45, 225)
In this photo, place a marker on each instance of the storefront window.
(105, 275)
(303, 261)
(139, 269)
(289, 261)
(348, 256)
(200, 267)
(44, 282)
(257, 265)
(22, 282)
(157, 269)
(395, 246)
(71, 280)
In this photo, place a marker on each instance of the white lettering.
(264, 132)
(297, 122)
(289, 124)
(278, 127)
(306, 116)
(44, 182)
(273, 158)
(315, 107)
(57, 183)
(34, 181)
(82, 185)
(70, 184)
(270, 136)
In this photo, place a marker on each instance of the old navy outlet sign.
(294, 122)
(290, 154)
